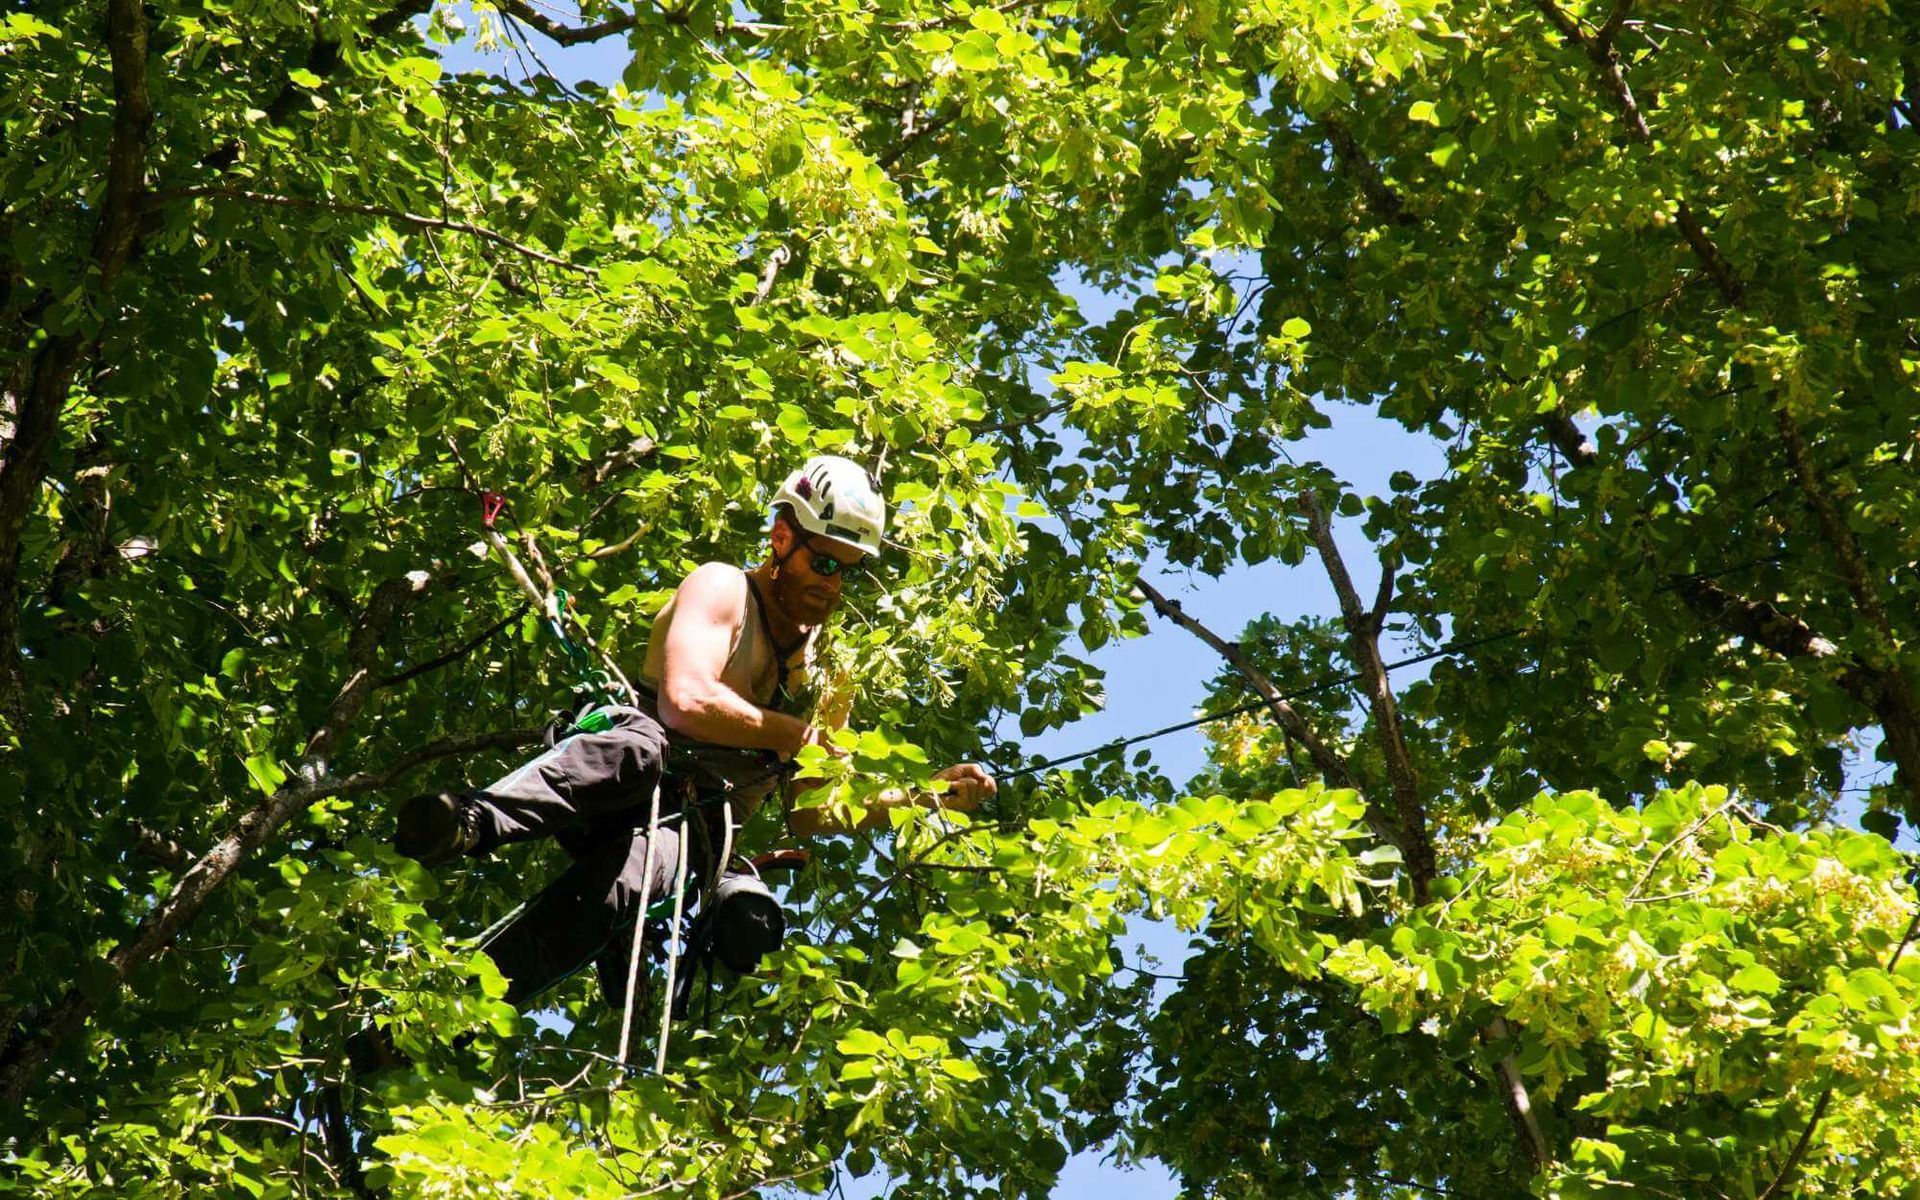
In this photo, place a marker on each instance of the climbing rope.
(640, 923)
(676, 933)
(605, 680)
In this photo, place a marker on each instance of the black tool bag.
(740, 924)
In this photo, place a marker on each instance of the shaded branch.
(1893, 700)
(159, 847)
(323, 59)
(1576, 447)
(374, 210)
(1380, 195)
(597, 472)
(1600, 51)
(1383, 597)
(1363, 632)
(914, 133)
(1518, 1103)
(167, 919)
(36, 412)
(1758, 621)
(569, 35)
(780, 257)
(458, 652)
(1615, 19)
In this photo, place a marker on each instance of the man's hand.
(815, 735)
(970, 784)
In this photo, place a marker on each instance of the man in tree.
(723, 710)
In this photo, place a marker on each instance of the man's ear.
(780, 537)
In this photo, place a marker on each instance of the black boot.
(437, 828)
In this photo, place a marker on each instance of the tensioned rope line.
(1454, 647)
(1263, 705)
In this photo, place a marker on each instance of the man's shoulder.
(715, 587)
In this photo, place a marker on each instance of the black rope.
(1454, 647)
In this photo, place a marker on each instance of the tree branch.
(1379, 194)
(1576, 447)
(375, 210)
(780, 257)
(159, 847)
(1758, 621)
(1410, 811)
(1383, 598)
(458, 652)
(36, 413)
(1893, 701)
(1613, 78)
(569, 35)
(596, 473)
(1326, 760)
(886, 158)
(1611, 30)
(323, 59)
(1519, 1104)
(309, 782)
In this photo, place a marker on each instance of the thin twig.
(374, 210)
(458, 652)
(1684, 836)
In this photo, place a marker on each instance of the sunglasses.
(827, 566)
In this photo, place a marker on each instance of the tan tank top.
(753, 672)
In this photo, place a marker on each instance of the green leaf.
(960, 1068)
(1756, 978)
(265, 772)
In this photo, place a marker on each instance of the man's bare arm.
(969, 784)
(694, 700)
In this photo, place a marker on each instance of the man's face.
(803, 592)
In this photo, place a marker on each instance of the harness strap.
(780, 653)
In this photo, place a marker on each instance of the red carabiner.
(490, 505)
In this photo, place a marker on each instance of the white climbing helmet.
(835, 498)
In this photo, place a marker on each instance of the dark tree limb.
(1380, 195)
(569, 35)
(159, 847)
(324, 57)
(1332, 767)
(596, 473)
(932, 125)
(1410, 811)
(780, 257)
(309, 782)
(458, 652)
(1759, 621)
(1613, 78)
(375, 210)
(36, 412)
(1894, 700)
(1576, 447)
(1519, 1105)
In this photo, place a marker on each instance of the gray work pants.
(591, 792)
